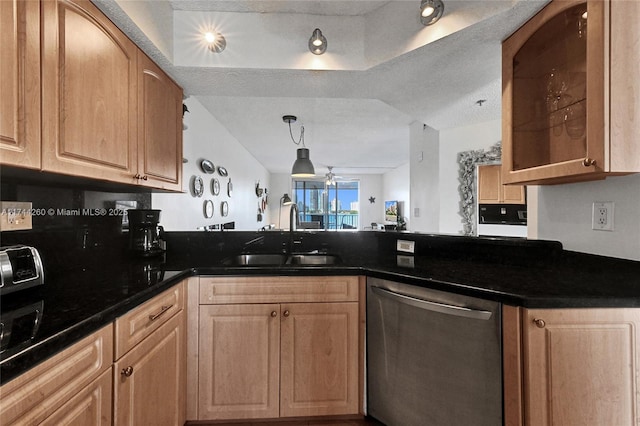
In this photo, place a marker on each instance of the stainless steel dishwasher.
(433, 358)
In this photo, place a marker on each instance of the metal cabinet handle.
(274, 314)
(286, 313)
(163, 310)
(588, 162)
(127, 371)
(539, 322)
(145, 177)
(459, 311)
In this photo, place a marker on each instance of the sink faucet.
(293, 226)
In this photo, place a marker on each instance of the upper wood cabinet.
(159, 127)
(89, 90)
(491, 189)
(571, 366)
(570, 96)
(106, 110)
(20, 83)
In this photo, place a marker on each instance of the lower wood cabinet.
(149, 378)
(571, 366)
(71, 388)
(297, 354)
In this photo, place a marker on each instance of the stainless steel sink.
(256, 260)
(313, 259)
(272, 259)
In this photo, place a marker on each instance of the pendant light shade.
(303, 166)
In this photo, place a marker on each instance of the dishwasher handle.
(433, 306)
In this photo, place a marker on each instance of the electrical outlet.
(405, 246)
(602, 216)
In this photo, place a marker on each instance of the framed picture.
(391, 211)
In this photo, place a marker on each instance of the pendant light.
(431, 11)
(303, 167)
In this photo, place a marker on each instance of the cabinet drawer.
(137, 324)
(35, 395)
(222, 290)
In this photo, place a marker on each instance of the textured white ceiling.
(356, 120)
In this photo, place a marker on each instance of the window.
(325, 206)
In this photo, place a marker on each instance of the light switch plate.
(15, 215)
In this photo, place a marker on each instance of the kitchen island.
(516, 272)
(526, 277)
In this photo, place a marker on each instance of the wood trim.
(36, 394)
(220, 290)
(362, 342)
(512, 365)
(193, 320)
(134, 326)
(624, 100)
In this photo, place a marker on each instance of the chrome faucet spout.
(293, 220)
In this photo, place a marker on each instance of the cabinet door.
(319, 359)
(553, 76)
(20, 83)
(239, 363)
(492, 191)
(489, 184)
(160, 127)
(90, 406)
(581, 366)
(149, 381)
(89, 93)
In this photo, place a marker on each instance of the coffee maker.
(145, 236)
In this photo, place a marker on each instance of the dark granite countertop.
(99, 288)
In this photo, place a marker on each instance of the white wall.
(453, 141)
(564, 214)
(396, 186)
(424, 180)
(207, 138)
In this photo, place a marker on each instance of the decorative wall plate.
(215, 186)
(229, 188)
(197, 186)
(208, 209)
(224, 208)
(207, 166)
(222, 171)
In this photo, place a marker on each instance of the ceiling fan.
(331, 177)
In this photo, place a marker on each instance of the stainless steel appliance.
(145, 236)
(433, 358)
(20, 268)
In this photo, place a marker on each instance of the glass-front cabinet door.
(553, 94)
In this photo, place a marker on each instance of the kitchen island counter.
(531, 274)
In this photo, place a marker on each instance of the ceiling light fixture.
(215, 41)
(431, 11)
(303, 167)
(317, 42)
